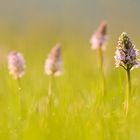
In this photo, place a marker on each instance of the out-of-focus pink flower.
(99, 38)
(53, 64)
(16, 64)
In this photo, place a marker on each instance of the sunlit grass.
(77, 113)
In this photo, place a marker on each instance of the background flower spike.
(99, 38)
(16, 64)
(53, 64)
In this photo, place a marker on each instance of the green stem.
(19, 94)
(102, 71)
(128, 93)
(50, 86)
(129, 81)
(50, 92)
(100, 59)
(19, 84)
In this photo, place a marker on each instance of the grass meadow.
(78, 108)
(78, 112)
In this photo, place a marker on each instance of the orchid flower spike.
(99, 38)
(16, 64)
(126, 53)
(53, 64)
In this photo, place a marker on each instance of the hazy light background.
(50, 21)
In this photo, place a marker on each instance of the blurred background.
(49, 21)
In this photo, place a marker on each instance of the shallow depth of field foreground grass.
(78, 112)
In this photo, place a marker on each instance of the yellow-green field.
(79, 111)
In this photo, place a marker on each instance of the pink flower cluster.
(100, 37)
(16, 64)
(126, 53)
(53, 62)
